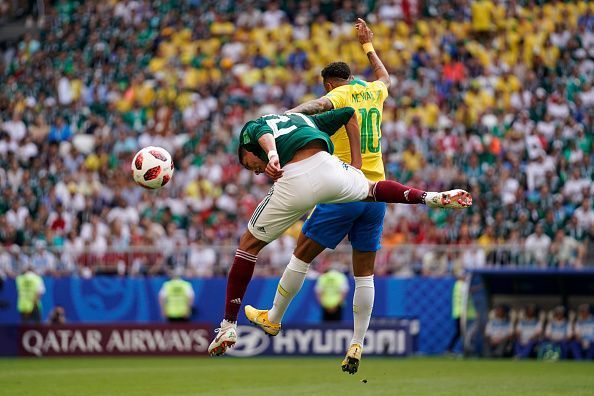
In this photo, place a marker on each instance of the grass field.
(286, 376)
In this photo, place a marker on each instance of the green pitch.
(290, 376)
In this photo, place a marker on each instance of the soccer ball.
(152, 167)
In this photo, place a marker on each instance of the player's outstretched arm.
(365, 36)
(313, 106)
(268, 144)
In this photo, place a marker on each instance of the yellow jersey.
(367, 98)
(482, 15)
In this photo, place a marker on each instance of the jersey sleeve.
(338, 96)
(382, 90)
(250, 134)
(253, 131)
(331, 121)
(261, 131)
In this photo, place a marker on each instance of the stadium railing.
(15, 9)
(206, 260)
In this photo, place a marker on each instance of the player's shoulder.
(339, 95)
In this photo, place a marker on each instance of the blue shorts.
(361, 221)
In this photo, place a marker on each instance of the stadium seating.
(496, 99)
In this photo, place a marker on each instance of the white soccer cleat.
(226, 338)
(453, 199)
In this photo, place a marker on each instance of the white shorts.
(321, 178)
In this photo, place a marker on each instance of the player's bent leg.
(277, 212)
(288, 287)
(293, 276)
(325, 228)
(350, 185)
(394, 192)
(307, 249)
(363, 262)
(238, 279)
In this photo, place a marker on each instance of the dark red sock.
(238, 279)
(394, 192)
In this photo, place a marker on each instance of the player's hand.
(364, 33)
(273, 169)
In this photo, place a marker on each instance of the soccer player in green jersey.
(296, 152)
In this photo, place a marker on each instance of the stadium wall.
(134, 300)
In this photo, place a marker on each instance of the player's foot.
(453, 199)
(226, 338)
(260, 318)
(350, 364)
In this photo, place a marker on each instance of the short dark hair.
(336, 70)
(241, 149)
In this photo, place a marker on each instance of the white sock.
(288, 286)
(362, 307)
(225, 324)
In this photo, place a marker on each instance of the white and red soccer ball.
(152, 167)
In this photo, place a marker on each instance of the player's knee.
(250, 244)
(363, 263)
(307, 249)
(362, 270)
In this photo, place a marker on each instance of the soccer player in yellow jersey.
(330, 223)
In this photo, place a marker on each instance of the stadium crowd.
(495, 97)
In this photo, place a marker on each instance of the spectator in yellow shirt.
(412, 159)
(483, 16)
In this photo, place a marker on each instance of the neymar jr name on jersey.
(366, 95)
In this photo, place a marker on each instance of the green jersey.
(293, 131)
